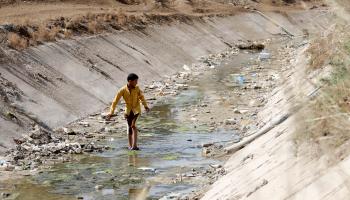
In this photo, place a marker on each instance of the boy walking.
(132, 96)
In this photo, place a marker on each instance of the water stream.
(168, 147)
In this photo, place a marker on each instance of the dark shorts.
(131, 119)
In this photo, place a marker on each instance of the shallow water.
(168, 147)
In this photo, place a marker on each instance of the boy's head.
(132, 79)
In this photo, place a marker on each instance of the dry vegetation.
(95, 16)
(31, 34)
(27, 34)
(326, 118)
(17, 42)
(319, 51)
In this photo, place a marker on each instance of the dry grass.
(326, 119)
(67, 33)
(92, 27)
(91, 23)
(17, 42)
(320, 51)
(45, 34)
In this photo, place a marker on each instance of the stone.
(187, 68)
(89, 135)
(9, 167)
(251, 46)
(189, 175)
(230, 121)
(236, 111)
(147, 169)
(85, 124)
(207, 144)
(264, 55)
(256, 87)
(69, 131)
(5, 195)
(205, 151)
(215, 166)
(40, 135)
(171, 196)
(99, 187)
(2, 162)
(151, 87)
(104, 115)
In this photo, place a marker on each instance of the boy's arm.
(115, 101)
(143, 100)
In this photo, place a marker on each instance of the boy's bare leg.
(130, 140)
(134, 137)
(129, 131)
(134, 133)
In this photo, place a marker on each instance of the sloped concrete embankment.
(56, 83)
(272, 166)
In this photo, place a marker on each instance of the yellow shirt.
(132, 100)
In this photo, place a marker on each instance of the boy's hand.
(147, 109)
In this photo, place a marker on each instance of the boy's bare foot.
(135, 149)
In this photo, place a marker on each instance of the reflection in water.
(133, 159)
(139, 193)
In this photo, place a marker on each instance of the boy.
(132, 96)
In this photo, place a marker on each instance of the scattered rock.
(264, 55)
(256, 87)
(85, 124)
(187, 68)
(193, 119)
(8, 167)
(240, 80)
(171, 196)
(99, 187)
(237, 111)
(11, 115)
(69, 131)
(205, 151)
(207, 144)
(5, 195)
(89, 135)
(251, 46)
(147, 169)
(40, 135)
(189, 175)
(215, 166)
(2, 162)
(230, 121)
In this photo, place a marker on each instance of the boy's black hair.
(132, 77)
